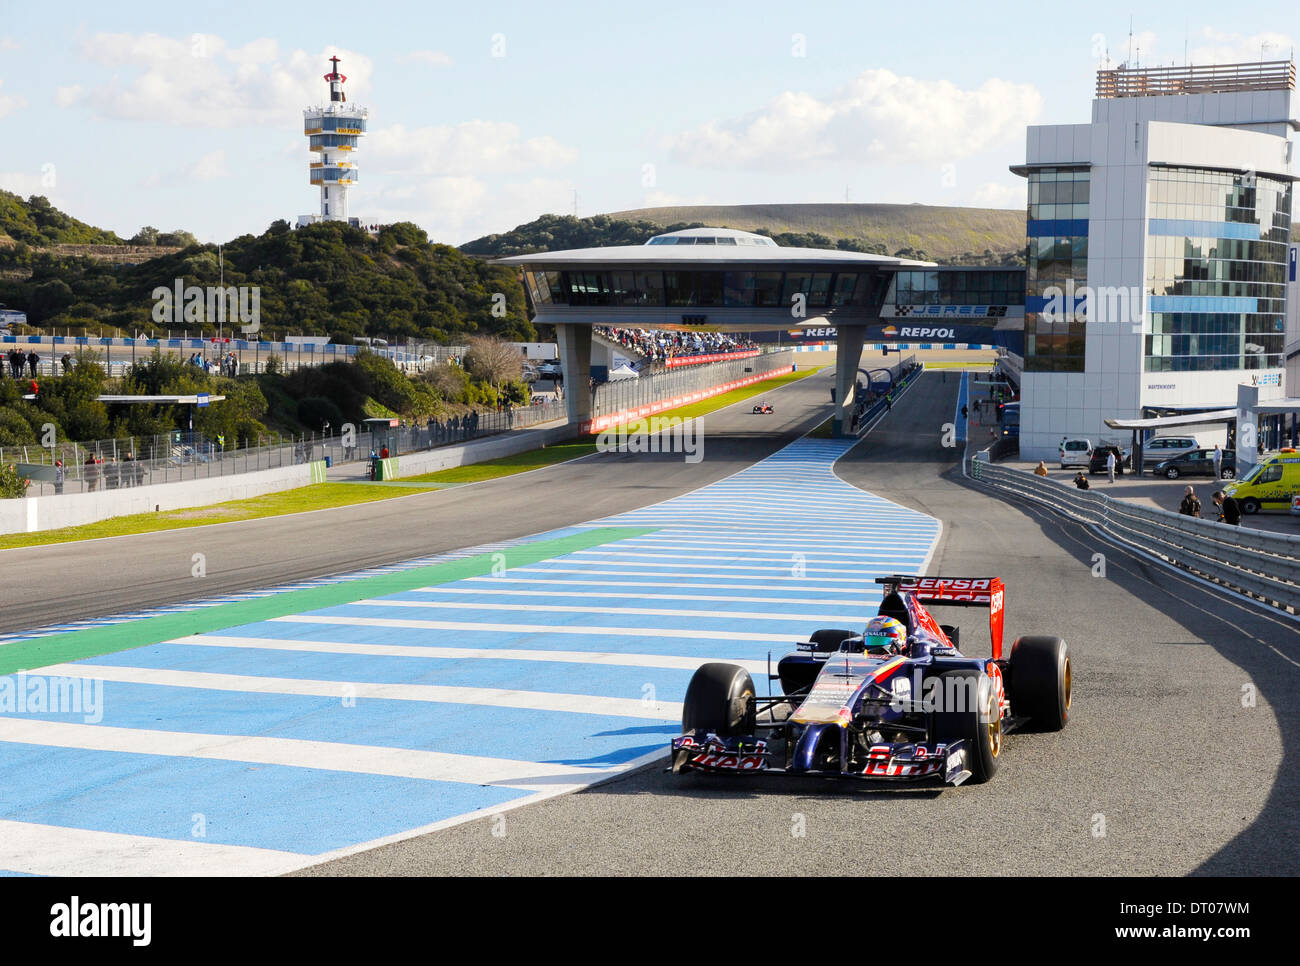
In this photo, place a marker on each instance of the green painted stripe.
(94, 641)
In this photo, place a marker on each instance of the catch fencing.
(630, 394)
(1258, 563)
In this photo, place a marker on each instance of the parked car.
(1097, 461)
(1161, 448)
(1199, 462)
(1075, 452)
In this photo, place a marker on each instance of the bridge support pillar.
(575, 363)
(848, 356)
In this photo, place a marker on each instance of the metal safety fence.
(615, 397)
(1262, 564)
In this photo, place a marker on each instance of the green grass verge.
(534, 459)
(109, 638)
(976, 364)
(824, 431)
(706, 406)
(316, 496)
(324, 496)
(562, 452)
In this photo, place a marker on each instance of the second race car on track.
(764, 409)
(898, 702)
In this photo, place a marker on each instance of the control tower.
(333, 132)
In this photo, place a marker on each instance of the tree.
(177, 239)
(11, 484)
(494, 361)
(148, 235)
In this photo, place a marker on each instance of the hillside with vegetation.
(954, 236)
(324, 279)
(301, 401)
(36, 222)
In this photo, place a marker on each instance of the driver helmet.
(885, 633)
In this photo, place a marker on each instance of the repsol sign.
(917, 332)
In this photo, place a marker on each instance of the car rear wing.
(958, 592)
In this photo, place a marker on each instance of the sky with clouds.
(483, 116)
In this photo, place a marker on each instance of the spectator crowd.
(658, 345)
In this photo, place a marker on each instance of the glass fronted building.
(1216, 270)
(1158, 255)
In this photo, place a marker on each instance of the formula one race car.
(874, 706)
(764, 409)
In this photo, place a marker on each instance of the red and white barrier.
(676, 361)
(685, 399)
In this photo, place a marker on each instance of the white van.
(1167, 447)
(1075, 452)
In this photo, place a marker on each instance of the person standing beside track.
(1191, 505)
(1229, 509)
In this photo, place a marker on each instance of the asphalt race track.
(1162, 770)
(64, 582)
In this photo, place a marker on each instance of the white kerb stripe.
(492, 697)
(568, 629)
(581, 609)
(55, 850)
(296, 753)
(456, 653)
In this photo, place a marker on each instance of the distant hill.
(37, 222)
(971, 236)
(325, 279)
(940, 231)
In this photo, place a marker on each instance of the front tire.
(1250, 505)
(1228, 474)
(1172, 473)
(720, 698)
(975, 719)
(1040, 681)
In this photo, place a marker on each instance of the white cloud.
(1210, 46)
(1221, 47)
(469, 148)
(878, 116)
(456, 209)
(434, 58)
(201, 81)
(27, 183)
(9, 103)
(209, 167)
(992, 194)
(7, 43)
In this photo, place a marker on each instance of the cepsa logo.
(958, 588)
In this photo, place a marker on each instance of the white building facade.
(1159, 250)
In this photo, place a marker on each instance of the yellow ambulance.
(1270, 485)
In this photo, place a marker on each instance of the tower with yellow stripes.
(333, 132)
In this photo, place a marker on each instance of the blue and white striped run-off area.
(270, 746)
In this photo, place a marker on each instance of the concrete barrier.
(491, 448)
(74, 509)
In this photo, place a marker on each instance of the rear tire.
(831, 638)
(1040, 681)
(979, 726)
(720, 698)
(1228, 474)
